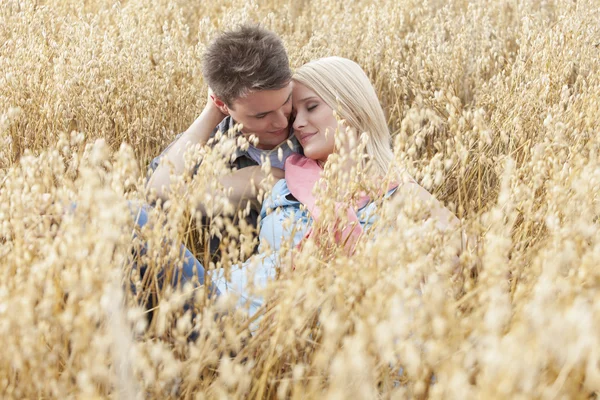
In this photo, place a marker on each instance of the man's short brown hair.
(247, 59)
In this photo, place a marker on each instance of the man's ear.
(219, 104)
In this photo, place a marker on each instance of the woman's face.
(314, 123)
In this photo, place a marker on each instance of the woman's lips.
(306, 136)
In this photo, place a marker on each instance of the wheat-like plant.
(493, 107)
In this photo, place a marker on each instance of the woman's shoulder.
(296, 162)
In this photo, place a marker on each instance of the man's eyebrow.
(267, 112)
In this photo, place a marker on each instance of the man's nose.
(281, 120)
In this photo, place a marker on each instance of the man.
(248, 71)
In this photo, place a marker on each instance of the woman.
(319, 88)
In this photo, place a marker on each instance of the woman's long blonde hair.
(345, 87)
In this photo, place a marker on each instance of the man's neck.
(272, 147)
(264, 147)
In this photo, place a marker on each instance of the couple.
(293, 118)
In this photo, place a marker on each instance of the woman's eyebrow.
(306, 99)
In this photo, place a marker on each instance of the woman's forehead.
(301, 93)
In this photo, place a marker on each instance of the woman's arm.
(445, 220)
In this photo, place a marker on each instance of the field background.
(493, 106)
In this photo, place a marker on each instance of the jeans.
(191, 266)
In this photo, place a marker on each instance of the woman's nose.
(299, 122)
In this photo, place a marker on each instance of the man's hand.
(215, 106)
(244, 185)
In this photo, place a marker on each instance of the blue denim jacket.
(282, 219)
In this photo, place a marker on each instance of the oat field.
(494, 106)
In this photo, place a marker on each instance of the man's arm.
(245, 184)
(198, 133)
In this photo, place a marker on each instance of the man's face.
(266, 114)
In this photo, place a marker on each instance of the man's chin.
(266, 144)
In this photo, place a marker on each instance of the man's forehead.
(262, 101)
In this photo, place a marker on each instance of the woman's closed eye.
(311, 107)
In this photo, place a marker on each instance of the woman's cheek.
(329, 144)
(314, 150)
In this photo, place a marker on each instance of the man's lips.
(279, 132)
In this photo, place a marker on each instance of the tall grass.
(493, 107)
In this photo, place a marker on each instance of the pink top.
(302, 174)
